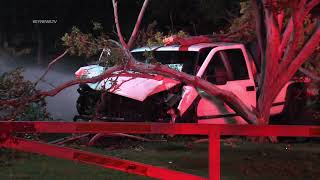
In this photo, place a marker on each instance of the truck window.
(216, 72)
(203, 55)
(226, 65)
(238, 63)
(179, 60)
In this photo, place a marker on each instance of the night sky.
(18, 30)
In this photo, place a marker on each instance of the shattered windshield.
(179, 60)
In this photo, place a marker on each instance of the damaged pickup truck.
(156, 98)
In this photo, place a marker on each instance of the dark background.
(17, 32)
(193, 16)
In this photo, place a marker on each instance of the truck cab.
(159, 98)
(227, 65)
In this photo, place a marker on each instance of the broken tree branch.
(18, 102)
(116, 19)
(68, 139)
(98, 136)
(137, 26)
(50, 66)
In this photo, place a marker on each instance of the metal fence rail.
(8, 129)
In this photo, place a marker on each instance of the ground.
(240, 160)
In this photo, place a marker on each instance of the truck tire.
(87, 101)
(84, 105)
(295, 103)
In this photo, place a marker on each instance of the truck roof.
(193, 47)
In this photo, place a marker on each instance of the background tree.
(283, 46)
(283, 12)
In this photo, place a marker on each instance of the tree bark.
(137, 26)
(282, 56)
(116, 19)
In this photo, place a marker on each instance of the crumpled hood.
(129, 84)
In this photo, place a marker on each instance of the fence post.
(214, 155)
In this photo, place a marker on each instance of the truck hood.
(129, 84)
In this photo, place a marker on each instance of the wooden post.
(214, 155)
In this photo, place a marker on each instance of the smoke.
(63, 105)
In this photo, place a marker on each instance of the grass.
(242, 160)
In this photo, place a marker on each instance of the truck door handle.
(250, 88)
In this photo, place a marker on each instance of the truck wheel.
(85, 105)
(87, 101)
(295, 103)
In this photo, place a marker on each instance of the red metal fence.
(8, 129)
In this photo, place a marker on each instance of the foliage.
(151, 37)
(91, 44)
(83, 43)
(14, 86)
(97, 26)
(246, 19)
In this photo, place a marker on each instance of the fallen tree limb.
(68, 139)
(98, 136)
(50, 66)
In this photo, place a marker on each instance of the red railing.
(7, 129)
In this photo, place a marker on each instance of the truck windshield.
(179, 60)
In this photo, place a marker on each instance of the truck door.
(229, 69)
